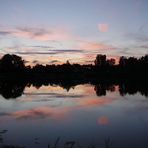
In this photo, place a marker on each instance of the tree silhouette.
(100, 60)
(9, 63)
(122, 61)
(111, 62)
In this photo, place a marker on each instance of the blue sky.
(39, 29)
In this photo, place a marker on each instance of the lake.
(82, 114)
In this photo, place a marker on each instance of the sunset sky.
(53, 31)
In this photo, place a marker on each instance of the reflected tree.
(11, 89)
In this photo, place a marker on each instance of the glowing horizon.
(57, 31)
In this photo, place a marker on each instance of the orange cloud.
(103, 120)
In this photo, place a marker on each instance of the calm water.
(41, 115)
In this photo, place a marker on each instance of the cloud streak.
(49, 52)
(36, 33)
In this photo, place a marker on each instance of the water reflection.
(14, 89)
(87, 113)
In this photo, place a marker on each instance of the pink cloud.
(43, 34)
(93, 45)
(103, 27)
(37, 33)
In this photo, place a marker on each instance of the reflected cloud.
(54, 95)
(103, 120)
(94, 101)
(54, 112)
(38, 113)
(57, 110)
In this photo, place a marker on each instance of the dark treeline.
(130, 75)
(128, 68)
